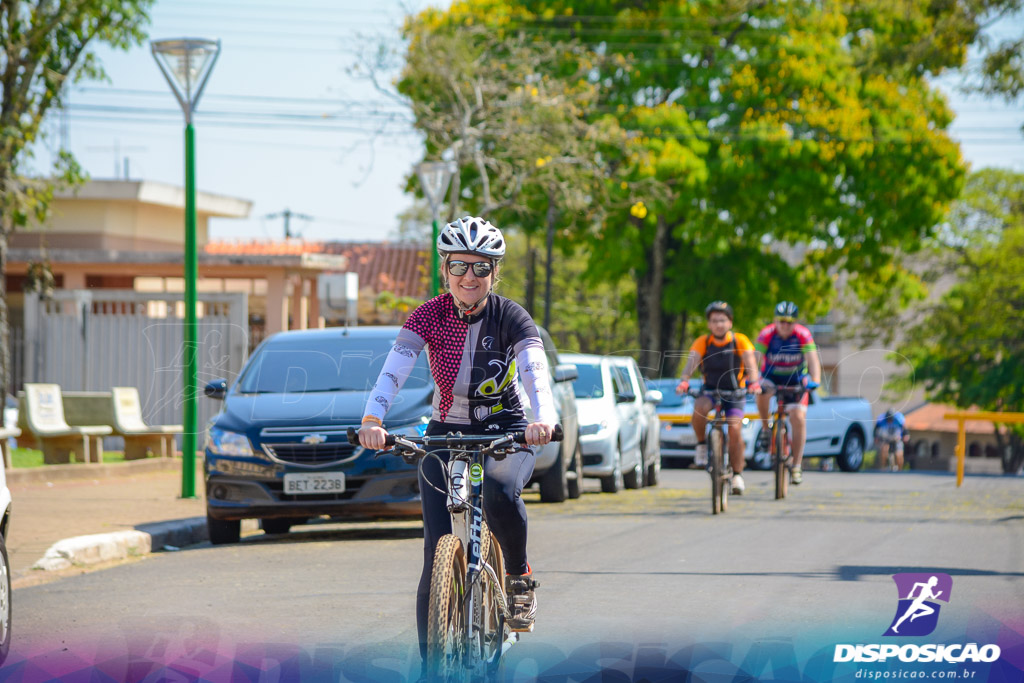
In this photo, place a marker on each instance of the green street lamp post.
(186, 63)
(434, 177)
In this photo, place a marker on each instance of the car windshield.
(588, 384)
(301, 365)
(669, 397)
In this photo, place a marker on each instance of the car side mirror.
(217, 389)
(566, 373)
(625, 397)
(653, 396)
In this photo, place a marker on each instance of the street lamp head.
(434, 177)
(186, 63)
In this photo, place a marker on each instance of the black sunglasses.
(480, 269)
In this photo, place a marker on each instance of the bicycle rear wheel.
(780, 458)
(446, 616)
(715, 447)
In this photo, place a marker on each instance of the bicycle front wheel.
(780, 458)
(491, 620)
(716, 447)
(446, 616)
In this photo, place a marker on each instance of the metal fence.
(92, 340)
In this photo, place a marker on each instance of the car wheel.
(223, 530)
(654, 469)
(279, 525)
(634, 479)
(576, 482)
(554, 486)
(851, 457)
(5, 602)
(613, 482)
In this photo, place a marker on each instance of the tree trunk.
(5, 319)
(552, 218)
(531, 277)
(649, 310)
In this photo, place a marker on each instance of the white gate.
(92, 340)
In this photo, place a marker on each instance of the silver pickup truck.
(837, 427)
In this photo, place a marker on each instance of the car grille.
(310, 454)
(592, 459)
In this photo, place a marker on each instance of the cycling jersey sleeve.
(533, 369)
(397, 367)
(764, 339)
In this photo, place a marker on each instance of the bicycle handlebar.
(456, 439)
(720, 394)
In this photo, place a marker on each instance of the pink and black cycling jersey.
(476, 363)
(785, 360)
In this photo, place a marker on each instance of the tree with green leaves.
(46, 45)
(967, 348)
(768, 149)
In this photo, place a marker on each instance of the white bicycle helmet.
(473, 235)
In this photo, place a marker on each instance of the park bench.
(139, 438)
(57, 439)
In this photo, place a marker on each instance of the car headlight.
(223, 442)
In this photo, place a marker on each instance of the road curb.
(120, 545)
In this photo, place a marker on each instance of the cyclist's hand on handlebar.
(372, 436)
(810, 384)
(683, 387)
(754, 387)
(539, 433)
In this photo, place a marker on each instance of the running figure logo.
(918, 613)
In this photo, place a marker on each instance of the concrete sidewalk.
(125, 509)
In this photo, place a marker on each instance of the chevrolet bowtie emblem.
(314, 439)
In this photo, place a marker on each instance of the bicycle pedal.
(525, 629)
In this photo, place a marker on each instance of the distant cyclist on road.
(789, 357)
(480, 345)
(891, 432)
(726, 359)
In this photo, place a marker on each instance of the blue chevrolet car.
(279, 452)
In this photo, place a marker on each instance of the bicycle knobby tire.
(716, 446)
(779, 439)
(446, 617)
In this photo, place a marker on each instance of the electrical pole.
(287, 214)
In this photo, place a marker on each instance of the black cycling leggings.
(503, 508)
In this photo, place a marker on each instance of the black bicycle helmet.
(786, 309)
(718, 307)
(889, 414)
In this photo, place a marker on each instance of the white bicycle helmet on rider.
(471, 235)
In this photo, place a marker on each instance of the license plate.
(305, 483)
(688, 438)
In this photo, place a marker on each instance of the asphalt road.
(638, 576)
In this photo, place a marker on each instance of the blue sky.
(284, 124)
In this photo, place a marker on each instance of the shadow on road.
(857, 572)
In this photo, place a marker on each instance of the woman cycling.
(477, 342)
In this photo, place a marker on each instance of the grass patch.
(31, 457)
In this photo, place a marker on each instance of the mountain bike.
(782, 463)
(718, 450)
(467, 622)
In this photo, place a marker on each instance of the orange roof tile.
(263, 247)
(402, 269)
(929, 418)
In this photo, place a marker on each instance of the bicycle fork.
(465, 504)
